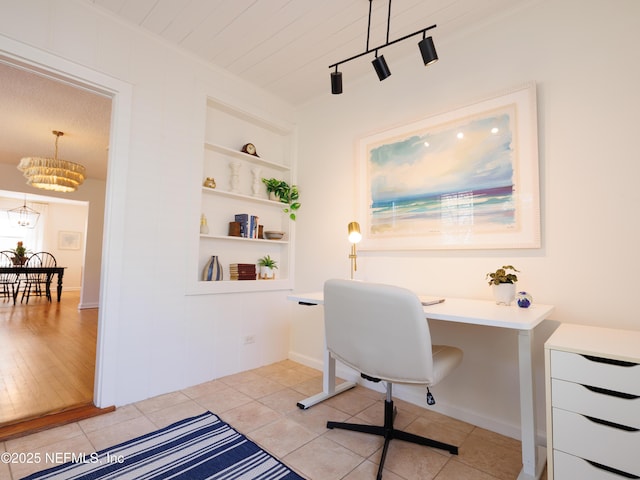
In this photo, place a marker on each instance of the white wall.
(62, 217)
(583, 57)
(154, 338)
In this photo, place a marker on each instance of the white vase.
(504, 293)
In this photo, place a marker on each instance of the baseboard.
(86, 306)
(306, 361)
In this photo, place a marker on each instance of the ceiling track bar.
(369, 50)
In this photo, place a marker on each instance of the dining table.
(21, 270)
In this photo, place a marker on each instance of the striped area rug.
(202, 447)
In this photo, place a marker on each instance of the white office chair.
(381, 331)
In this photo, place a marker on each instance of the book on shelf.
(242, 271)
(248, 225)
(243, 266)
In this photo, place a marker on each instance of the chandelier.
(23, 216)
(52, 173)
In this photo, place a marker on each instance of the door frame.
(121, 93)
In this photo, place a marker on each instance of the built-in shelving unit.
(239, 190)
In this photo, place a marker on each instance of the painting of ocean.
(454, 181)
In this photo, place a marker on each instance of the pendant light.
(52, 173)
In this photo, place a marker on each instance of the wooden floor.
(47, 357)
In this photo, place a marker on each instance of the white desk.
(477, 312)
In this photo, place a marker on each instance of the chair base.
(389, 433)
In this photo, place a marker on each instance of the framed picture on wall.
(69, 240)
(463, 179)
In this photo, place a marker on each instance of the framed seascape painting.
(464, 179)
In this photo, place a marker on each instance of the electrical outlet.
(249, 339)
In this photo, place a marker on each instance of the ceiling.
(282, 46)
(286, 46)
(34, 105)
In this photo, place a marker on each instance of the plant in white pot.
(268, 267)
(503, 284)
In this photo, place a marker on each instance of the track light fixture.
(336, 82)
(381, 68)
(427, 50)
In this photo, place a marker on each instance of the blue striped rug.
(202, 447)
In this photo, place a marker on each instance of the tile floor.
(261, 403)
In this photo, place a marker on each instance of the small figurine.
(204, 228)
(524, 300)
(235, 177)
(209, 182)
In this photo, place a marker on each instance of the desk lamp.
(354, 237)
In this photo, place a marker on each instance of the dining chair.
(381, 331)
(8, 281)
(34, 282)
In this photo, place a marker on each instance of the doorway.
(107, 210)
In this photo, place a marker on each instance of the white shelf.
(240, 286)
(242, 196)
(242, 239)
(245, 156)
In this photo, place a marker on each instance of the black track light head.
(381, 67)
(428, 51)
(336, 82)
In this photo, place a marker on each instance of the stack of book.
(248, 225)
(242, 271)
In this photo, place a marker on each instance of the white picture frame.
(69, 240)
(463, 179)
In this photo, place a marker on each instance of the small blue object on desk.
(524, 300)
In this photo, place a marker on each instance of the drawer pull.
(612, 393)
(612, 470)
(611, 424)
(610, 361)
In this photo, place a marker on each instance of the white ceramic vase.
(267, 273)
(504, 293)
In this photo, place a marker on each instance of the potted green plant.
(503, 284)
(19, 254)
(285, 193)
(267, 267)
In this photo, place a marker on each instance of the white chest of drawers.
(592, 378)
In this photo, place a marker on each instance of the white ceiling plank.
(163, 14)
(135, 11)
(255, 30)
(200, 39)
(189, 19)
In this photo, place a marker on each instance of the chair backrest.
(41, 259)
(5, 258)
(379, 330)
(6, 261)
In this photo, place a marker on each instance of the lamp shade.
(52, 173)
(381, 67)
(336, 83)
(354, 232)
(428, 51)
